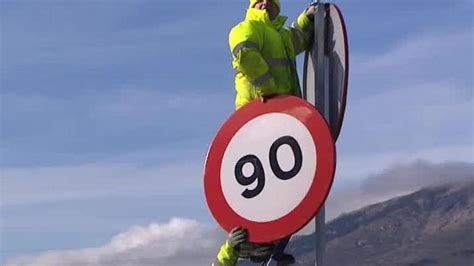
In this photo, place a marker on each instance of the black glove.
(236, 237)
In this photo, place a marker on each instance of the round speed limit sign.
(270, 168)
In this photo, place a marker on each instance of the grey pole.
(321, 101)
(322, 87)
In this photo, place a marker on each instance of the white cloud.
(179, 242)
(424, 103)
(430, 122)
(413, 98)
(356, 168)
(409, 121)
(420, 50)
(405, 104)
(45, 184)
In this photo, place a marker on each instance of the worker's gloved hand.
(310, 11)
(237, 236)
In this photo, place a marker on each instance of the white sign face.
(268, 167)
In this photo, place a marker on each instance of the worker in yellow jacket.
(264, 59)
(264, 51)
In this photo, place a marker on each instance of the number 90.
(258, 174)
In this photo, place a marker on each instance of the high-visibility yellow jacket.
(264, 55)
(227, 256)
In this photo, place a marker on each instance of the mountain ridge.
(430, 226)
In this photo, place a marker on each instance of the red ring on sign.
(260, 232)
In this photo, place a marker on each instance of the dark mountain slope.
(434, 226)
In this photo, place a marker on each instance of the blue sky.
(108, 108)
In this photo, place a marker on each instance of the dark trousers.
(277, 252)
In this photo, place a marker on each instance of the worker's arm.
(302, 30)
(229, 252)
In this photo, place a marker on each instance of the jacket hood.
(262, 15)
(276, 2)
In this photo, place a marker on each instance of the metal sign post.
(322, 103)
(325, 85)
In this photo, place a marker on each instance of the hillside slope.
(434, 226)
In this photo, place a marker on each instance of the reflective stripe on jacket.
(227, 256)
(264, 55)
